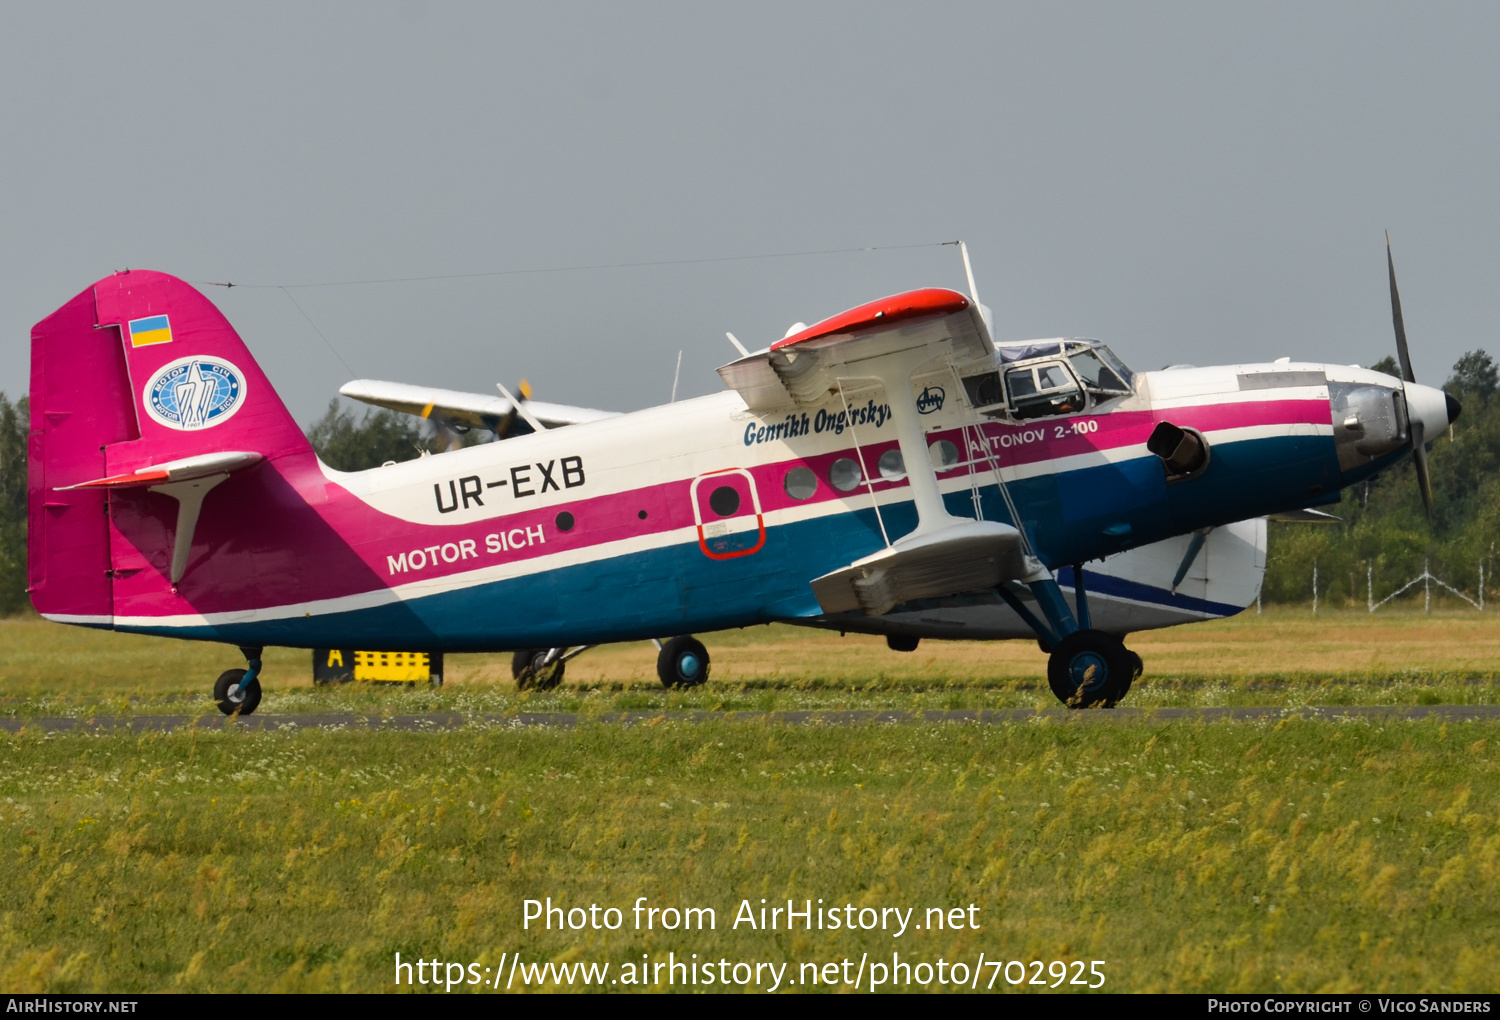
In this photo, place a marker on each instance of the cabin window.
(943, 454)
(800, 483)
(892, 466)
(844, 475)
(724, 501)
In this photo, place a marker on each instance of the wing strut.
(864, 468)
(189, 496)
(944, 555)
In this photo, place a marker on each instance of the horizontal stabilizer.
(184, 470)
(964, 557)
(475, 410)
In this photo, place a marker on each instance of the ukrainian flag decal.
(154, 329)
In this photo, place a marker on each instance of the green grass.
(1283, 658)
(1305, 855)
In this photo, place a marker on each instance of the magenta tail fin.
(138, 370)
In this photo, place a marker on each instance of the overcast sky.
(1194, 183)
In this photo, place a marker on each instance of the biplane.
(890, 470)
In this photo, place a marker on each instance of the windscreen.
(1100, 371)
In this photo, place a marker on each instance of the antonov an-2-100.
(889, 470)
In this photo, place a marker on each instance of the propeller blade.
(444, 434)
(520, 404)
(1418, 439)
(523, 393)
(1419, 458)
(1401, 352)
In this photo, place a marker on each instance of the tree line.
(1383, 529)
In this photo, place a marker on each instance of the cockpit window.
(1096, 375)
(1049, 377)
(1040, 391)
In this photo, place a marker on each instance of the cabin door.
(726, 509)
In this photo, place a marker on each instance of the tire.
(683, 662)
(1090, 668)
(1137, 667)
(529, 673)
(902, 642)
(248, 699)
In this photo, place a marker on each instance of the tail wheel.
(532, 672)
(683, 662)
(1090, 667)
(231, 697)
(901, 642)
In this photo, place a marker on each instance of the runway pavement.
(453, 721)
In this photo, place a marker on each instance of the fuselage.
(702, 515)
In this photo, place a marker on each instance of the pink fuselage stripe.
(319, 568)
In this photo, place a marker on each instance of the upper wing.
(476, 410)
(804, 367)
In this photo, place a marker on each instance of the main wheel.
(683, 662)
(901, 642)
(1137, 667)
(526, 666)
(243, 700)
(1090, 667)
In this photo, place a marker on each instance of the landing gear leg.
(1086, 667)
(238, 690)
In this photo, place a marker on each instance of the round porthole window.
(724, 501)
(892, 466)
(944, 455)
(844, 475)
(800, 483)
(565, 521)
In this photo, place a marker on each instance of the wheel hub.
(1088, 670)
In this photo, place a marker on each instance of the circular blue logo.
(195, 393)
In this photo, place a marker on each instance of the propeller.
(517, 408)
(447, 432)
(1418, 438)
(446, 435)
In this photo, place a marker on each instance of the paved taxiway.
(453, 720)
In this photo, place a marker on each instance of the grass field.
(1278, 856)
(1284, 657)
